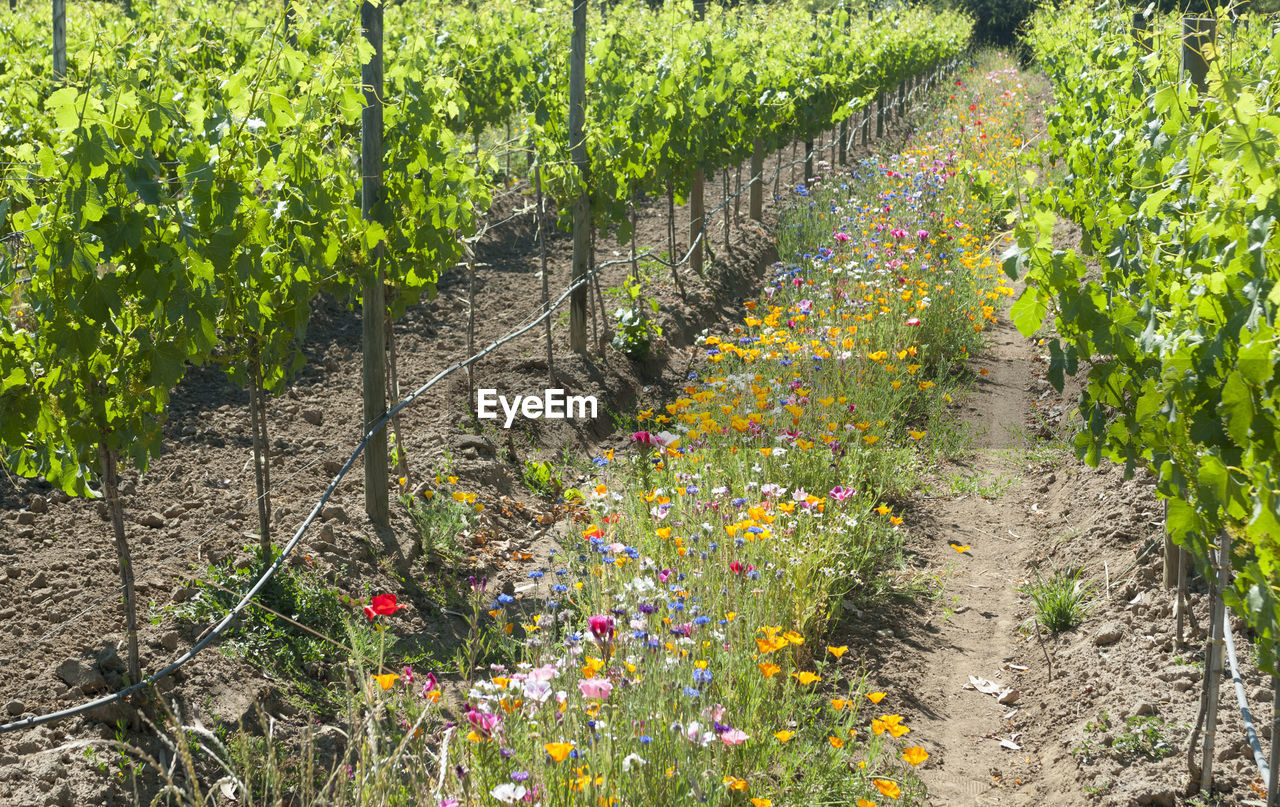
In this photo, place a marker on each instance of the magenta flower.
(645, 439)
(483, 722)
(923, 235)
(913, 322)
(898, 232)
(843, 238)
(602, 627)
(840, 493)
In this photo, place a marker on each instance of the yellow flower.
(838, 703)
(875, 697)
(558, 751)
(838, 651)
(836, 742)
(806, 677)
(883, 510)
(870, 439)
(915, 755)
(735, 783)
(915, 435)
(386, 680)
(887, 788)
(865, 803)
(961, 548)
(784, 735)
(793, 637)
(769, 670)
(761, 803)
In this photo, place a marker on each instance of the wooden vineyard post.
(724, 210)
(111, 489)
(697, 206)
(697, 221)
(1213, 661)
(471, 331)
(756, 207)
(261, 462)
(581, 202)
(542, 247)
(737, 197)
(59, 39)
(879, 116)
(374, 307)
(1198, 35)
(808, 162)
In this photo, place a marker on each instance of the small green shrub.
(1061, 600)
(634, 332)
(540, 477)
(440, 519)
(268, 641)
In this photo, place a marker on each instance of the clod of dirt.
(26, 518)
(15, 707)
(1109, 633)
(474, 446)
(313, 416)
(38, 504)
(152, 519)
(334, 511)
(75, 673)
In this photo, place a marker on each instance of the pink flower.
(840, 493)
(595, 688)
(898, 232)
(602, 627)
(483, 722)
(913, 322)
(734, 737)
(843, 238)
(429, 684)
(923, 235)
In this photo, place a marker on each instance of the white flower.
(632, 760)
(509, 793)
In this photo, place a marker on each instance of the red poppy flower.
(381, 605)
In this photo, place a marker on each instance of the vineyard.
(290, 291)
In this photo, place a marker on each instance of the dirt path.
(1103, 713)
(977, 632)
